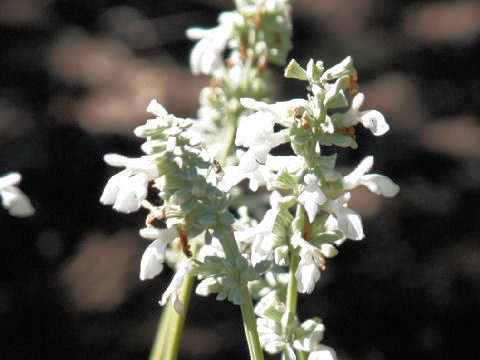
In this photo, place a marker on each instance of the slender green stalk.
(160, 338)
(250, 326)
(292, 293)
(231, 251)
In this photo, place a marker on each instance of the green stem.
(160, 338)
(292, 293)
(231, 252)
(250, 326)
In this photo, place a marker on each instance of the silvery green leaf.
(228, 282)
(295, 71)
(235, 296)
(241, 263)
(345, 67)
(222, 294)
(208, 219)
(249, 274)
(284, 180)
(226, 218)
(326, 161)
(262, 266)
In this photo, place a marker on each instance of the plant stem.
(250, 326)
(160, 338)
(292, 293)
(231, 252)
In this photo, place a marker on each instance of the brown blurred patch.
(102, 271)
(87, 61)
(443, 21)
(342, 17)
(456, 136)
(397, 97)
(22, 12)
(119, 85)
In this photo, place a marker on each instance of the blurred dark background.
(75, 79)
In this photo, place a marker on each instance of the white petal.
(307, 275)
(152, 260)
(374, 121)
(175, 287)
(380, 185)
(112, 187)
(125, 192)
(156, 109)
(10, 179)
(152, 233)
(116, 160)
(352, 180)
(16, 202)
(350, 223)
(357, 101)
(328, 250)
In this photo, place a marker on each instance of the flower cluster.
(270, 258)
(13, 199)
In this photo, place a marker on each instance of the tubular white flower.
(312, 331)
(256, 132)
(378, 184)
(260, 235)
(13, 199)
(312, 196)
(154, 256)
(279, 112)
(207, 54)
(371, 119)
(152, 260)
(311, 259)
(346, 219)
(127, 189)
(173, 290)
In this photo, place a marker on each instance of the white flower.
(309, 335)
(279, 112)
(312, 259)
(154, 256)
(175, 287)
(344, 218)
(260, 235)
(207, 54)
(378, 184)
(256, 132)
(371, 119)
(127, 189)
(248, 168)
(312, 196)
(13, 199)
(324, 353)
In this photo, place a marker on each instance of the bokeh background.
(75, 78)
